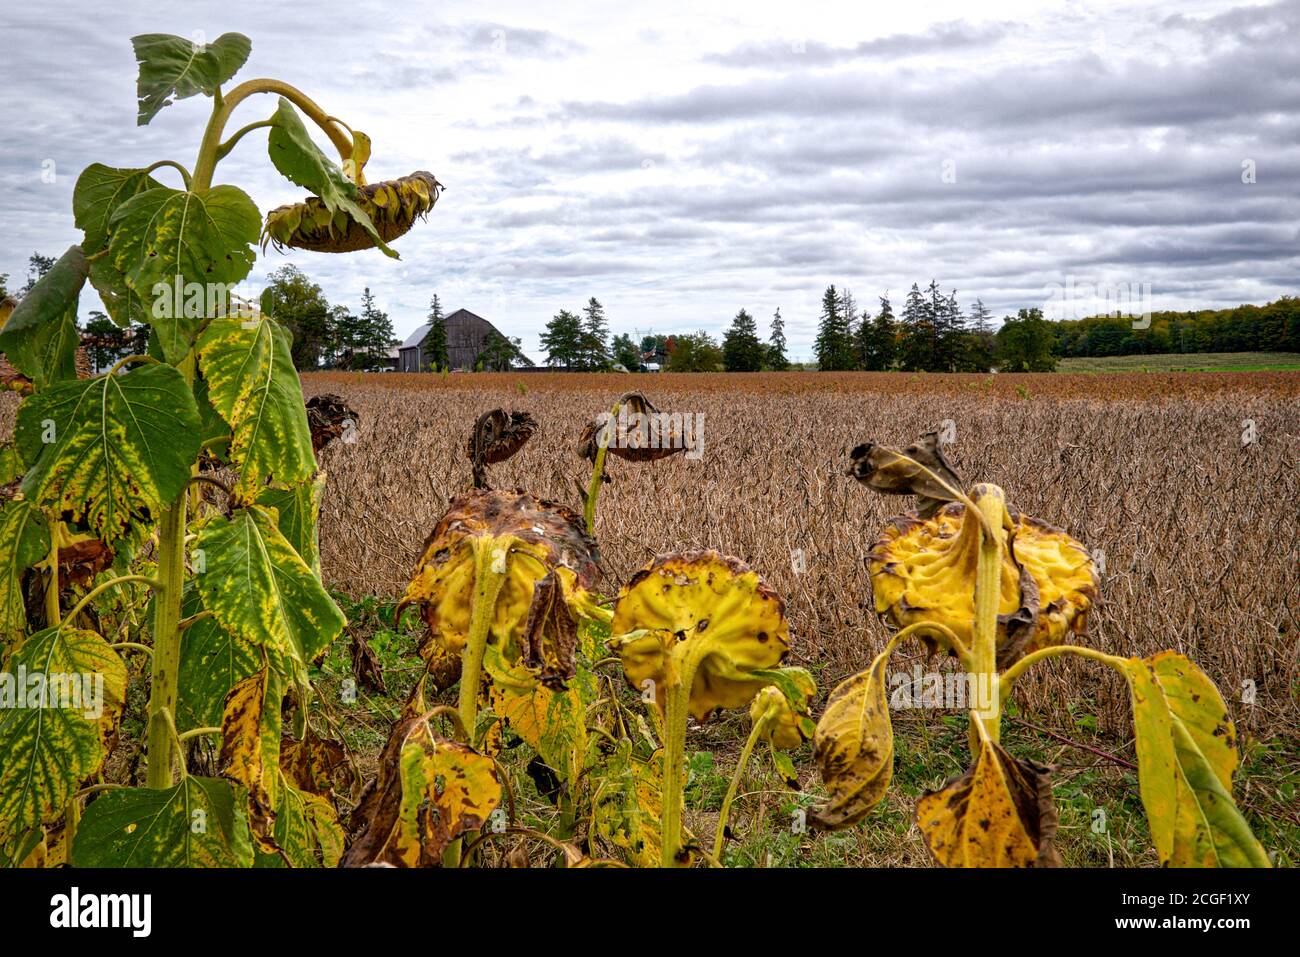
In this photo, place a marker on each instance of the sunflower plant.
(184, 482)
(1001, 591)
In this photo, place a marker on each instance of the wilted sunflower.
(638, 432)
(393, 207)
(496, 436)
(923, 566)
(525, 539)
(327, 416)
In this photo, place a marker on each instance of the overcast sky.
(693, 158)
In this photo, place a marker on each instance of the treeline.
(1274, 327)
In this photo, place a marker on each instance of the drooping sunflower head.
(497, 435)
(704, 618)
(924, 569)
(514, 534)
(393, 206)
(638, 432)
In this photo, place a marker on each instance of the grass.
(1192, 362)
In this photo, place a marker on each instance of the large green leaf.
(41, 337)
(200, 822)
(204, 241)
(109, 448)
(212, 662)
(299, 510)
(50, 744)
(24, 541)
(173, 68)
(1186, 749)
(261, 590)
(252, 383)
(301, 161)
(100, 190)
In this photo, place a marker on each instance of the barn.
(466, 333)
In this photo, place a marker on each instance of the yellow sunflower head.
(393, 207)
(523, 538)
(703, 618)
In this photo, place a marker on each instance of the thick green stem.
(598, 472)
(1028, 661)
(166, 645)
(490, 559)
(489, 575)
(677, 700)
(210, 149)
(988, 594)
(755, 733)
(53, 614)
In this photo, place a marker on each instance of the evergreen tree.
(833, 346)
(875, 339)
(595, 336)
(741, 349)
(374, 335)
(776, 354)
(952, 340)
(981, 341)
(434, 345)
(562, 341)
(915, 339)
(4, 285)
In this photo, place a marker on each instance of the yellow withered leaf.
(1187, 753)
(704, 611)
(428, 792)
(999, 813)
(250, 747)
(854, 747)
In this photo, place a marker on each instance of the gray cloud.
(684, 167)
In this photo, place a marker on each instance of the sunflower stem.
(489, 575)
(754, 734)
(677, 701)
(598, 472)
(988, 592)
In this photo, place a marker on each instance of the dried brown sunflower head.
(496, 436)
(639, 432)
(327, 416)
(393, 207)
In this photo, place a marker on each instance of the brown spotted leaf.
(854, 747)
(999, 813)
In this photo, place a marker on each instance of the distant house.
(466, 334)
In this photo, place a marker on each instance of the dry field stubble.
(1200, 534)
